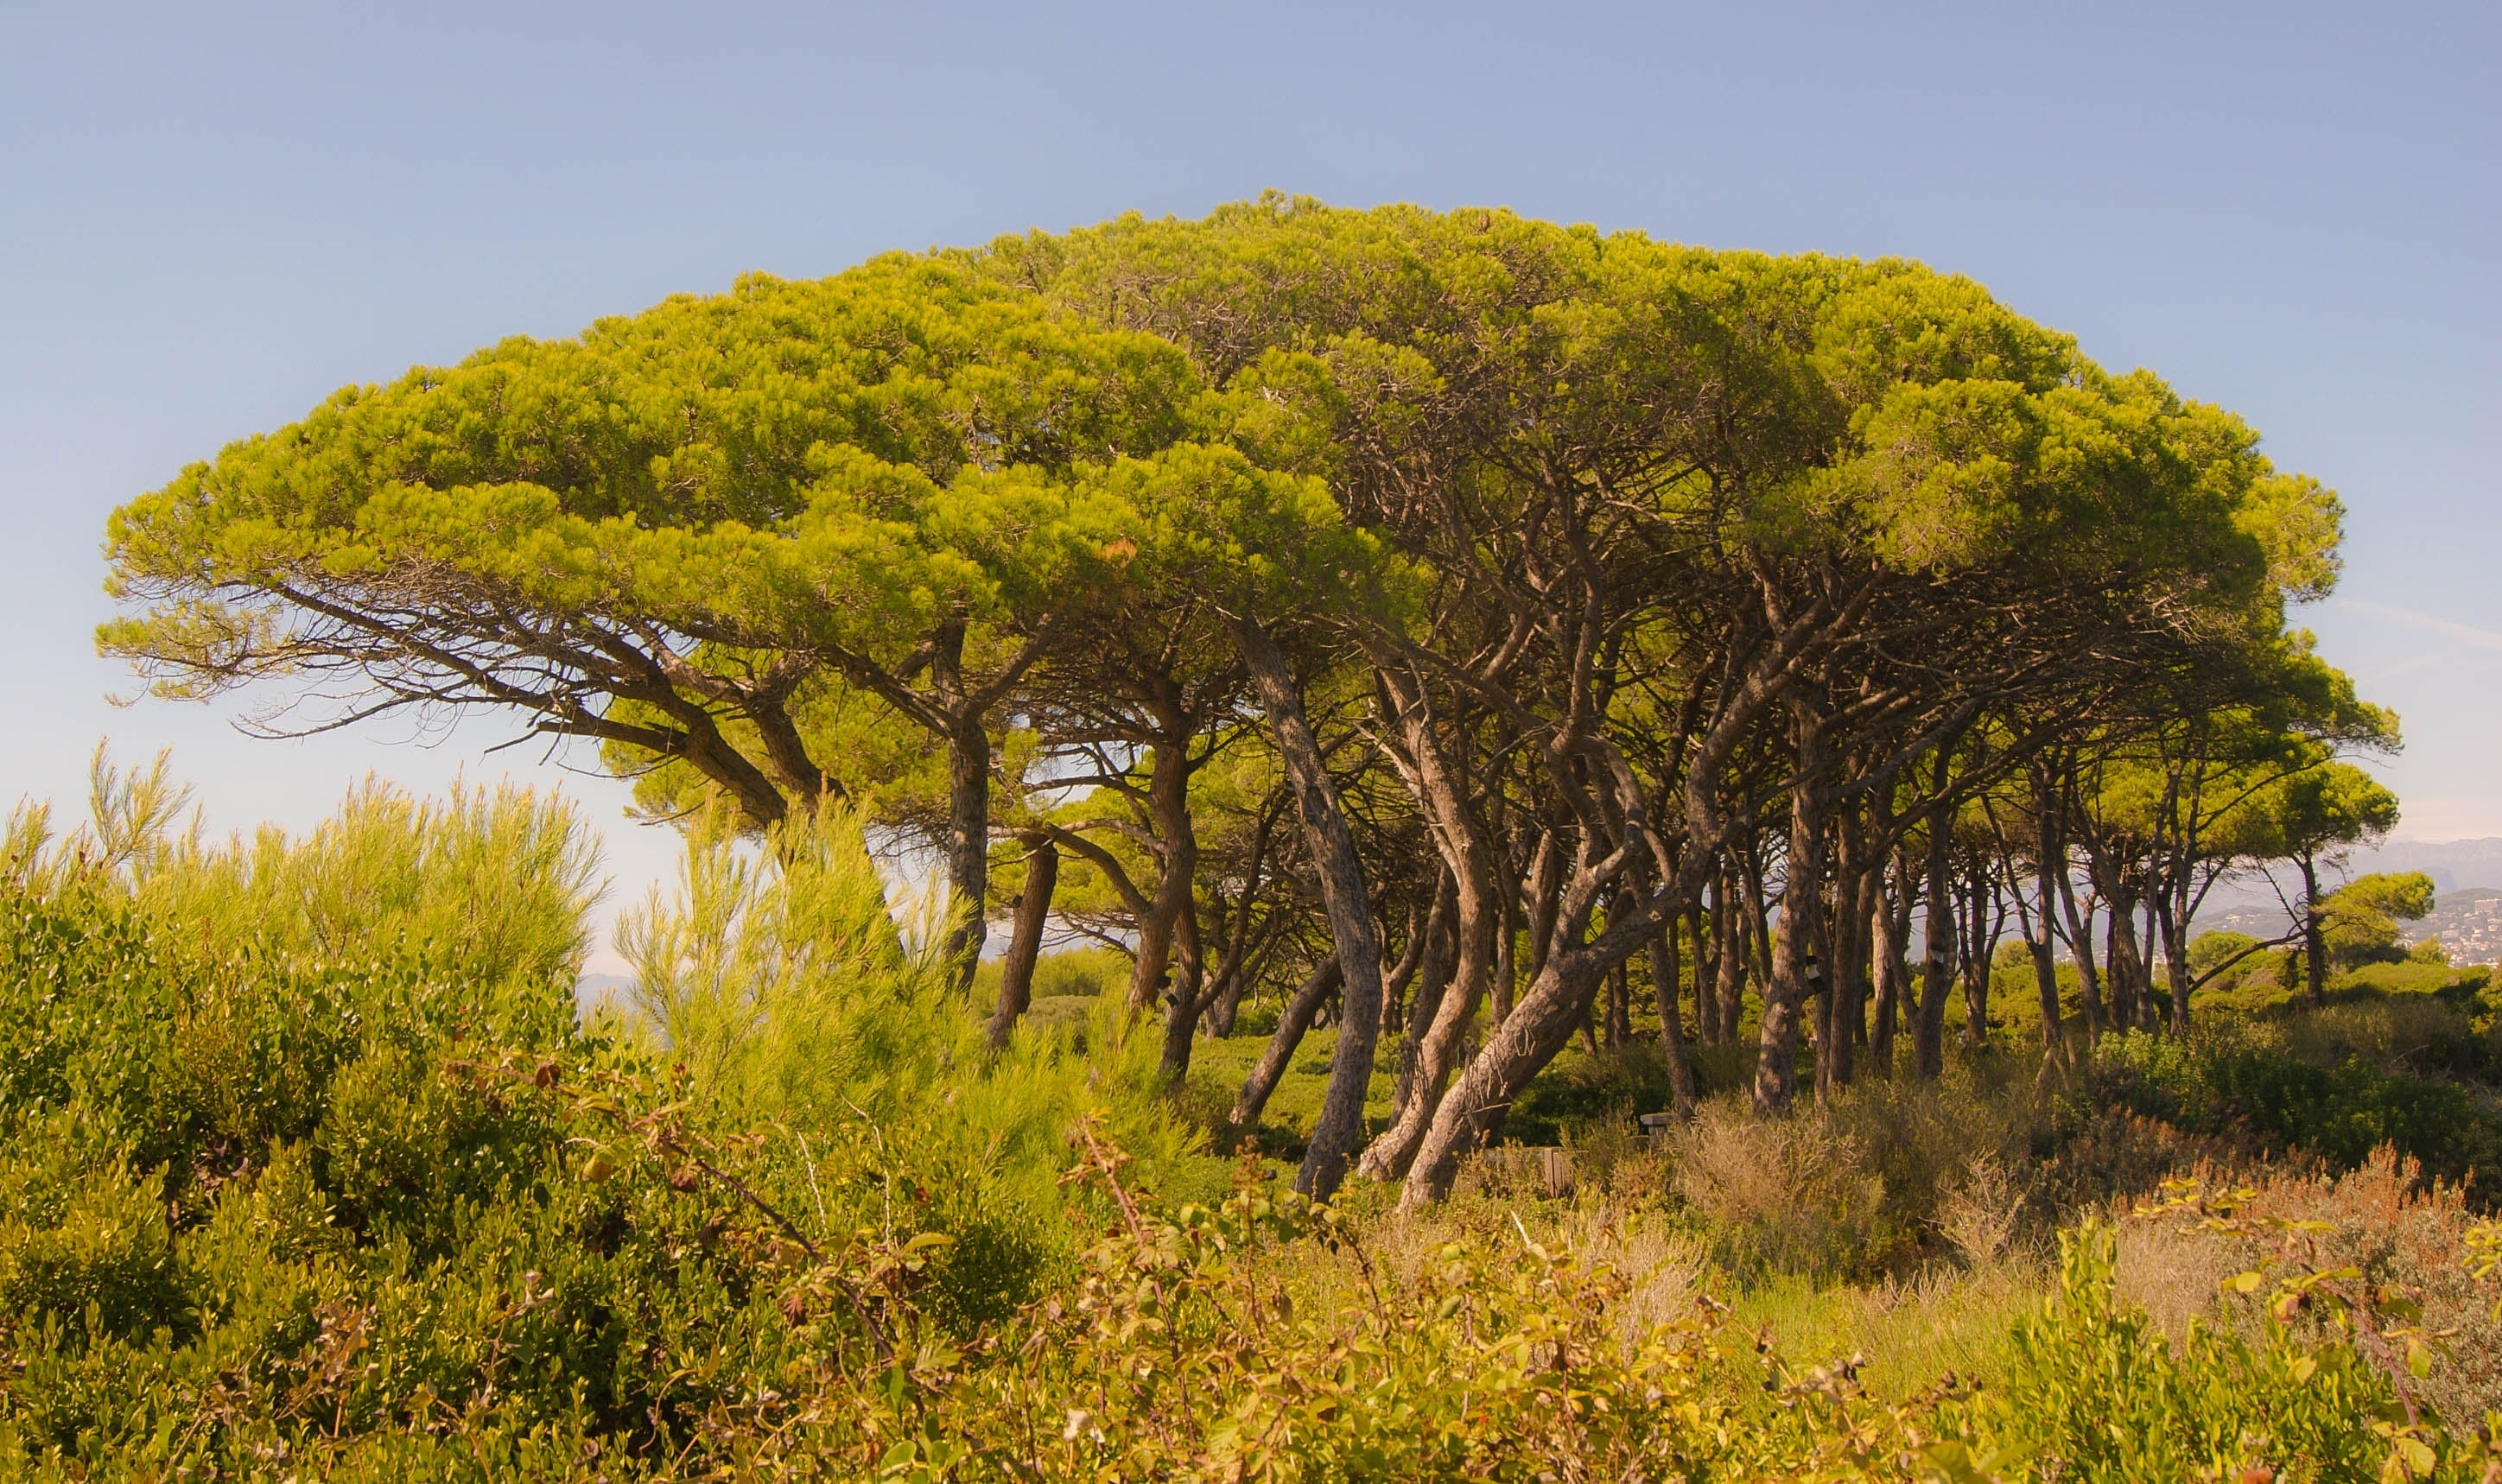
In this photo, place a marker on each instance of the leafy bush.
(272, 1203)
(86, 1246)
(2225, 1084)
(485, 890)
(1079, 971)
(2229, 956)
(2403, 976)
(2094, 1393)
(777, 980)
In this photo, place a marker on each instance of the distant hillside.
(2460, 871)
(2451, 863)
(591, 991)
(2468, 914)
(2468, 921)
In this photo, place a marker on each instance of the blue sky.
(210, 216)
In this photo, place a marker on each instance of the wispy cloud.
(2464, 633)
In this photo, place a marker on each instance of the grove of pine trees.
(1417, 617)
(1405, 684)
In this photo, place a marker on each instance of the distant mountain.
(2467, 914)
(592, 990)
(2468, 922)
(2451, 863)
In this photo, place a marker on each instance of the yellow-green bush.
(276, 1200)
(85, 1245)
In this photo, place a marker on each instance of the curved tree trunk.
(1184, 1003)
(1432, 982)
(1297, 1019)
(1540, 1026)
(1664, 978)
(1443, 794)
(1387, 1158)
(1341, 1126)
(1546, 880)
(1411, 956)
(1786, 988)
(1024, 942)
(1168, 806)
(2081, 944)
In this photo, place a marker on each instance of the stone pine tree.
(675, 535)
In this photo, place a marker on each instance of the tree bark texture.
(1937, 959)
(1024, 942)
(1663, 976)
(1291, 1024)
(1339, 1131)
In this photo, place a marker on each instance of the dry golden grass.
(2405, 1239)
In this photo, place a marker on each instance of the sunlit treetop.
(910, 480)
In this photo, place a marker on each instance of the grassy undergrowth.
(307, 1170)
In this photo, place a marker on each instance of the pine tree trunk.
(1886, 949)
(1663, 976)
(968, 845)
(1292, 1024)
(1340, 1130)
(1936, 970)
(1024, 943)
(1787, 987)
(2314, 943)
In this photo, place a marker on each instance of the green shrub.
(2403, 976)
(2094, 1393)
(486, 890)
(2337, 1113)
(407, 1143)
(86, 1243)
(1080, 971)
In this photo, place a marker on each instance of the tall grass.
(775, 974)
(490, 887)
(483, 893)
